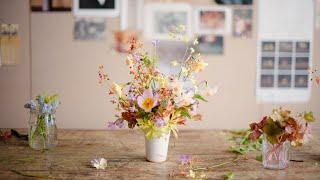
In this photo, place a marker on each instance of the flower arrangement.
(154, 101)
(42, 119)
(281, 126)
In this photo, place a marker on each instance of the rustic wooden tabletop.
(124, 151)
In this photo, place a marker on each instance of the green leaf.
(185, 113)
(273, 130)
(229, 176)
(259, 158)
(198, 96)
(308, 116)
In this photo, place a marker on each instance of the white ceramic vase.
(157, 148)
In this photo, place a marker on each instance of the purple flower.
(31, 105)
(136, 57)
(185, 159)
(46, 108)
(155, 42)
(160, 122)
(111, 125)
(119, 123)
(147, 100)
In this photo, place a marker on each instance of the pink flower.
(147, 101)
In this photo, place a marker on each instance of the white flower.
(192, 50)
(195, 42)
(99, 163)
(115, 88)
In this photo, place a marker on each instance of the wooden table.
(124, 151)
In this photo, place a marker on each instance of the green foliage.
(229, 176)
(273, 130)
(259, 158)
(151, 130)
(308, 116)
(243, 143)
(199, 97)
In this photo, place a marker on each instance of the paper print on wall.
(242, 23)
(90, 29)
(215, 20)
(210, 44)
(238, 2)
(162, 18)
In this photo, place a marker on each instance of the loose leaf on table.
(229, 176)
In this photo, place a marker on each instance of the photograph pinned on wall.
(242, 23)
(213, 20)
(267, 81)
(302, 46)
(90, 29)
(285, 47)
(234, 2)
(61, 5)
(284, 81)
(96, 8)
(285, 63)
(302, 63)
(210, 44)
(267, 63)
(301, 81)
(268, 46)
(163, 18)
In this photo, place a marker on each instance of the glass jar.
(275, 156)
(43, 132)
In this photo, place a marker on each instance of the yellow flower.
(174, 63)
(185, 39)
(117, 89)
(198, 66)
(182, 27)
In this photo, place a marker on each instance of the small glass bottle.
(43, 132)
(275, 156)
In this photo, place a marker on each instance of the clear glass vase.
(43, 132)
(275, 156)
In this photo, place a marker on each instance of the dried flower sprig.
(188, 168)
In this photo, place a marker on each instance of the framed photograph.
(267, 81)
(210, 44)
(302, 63)
(213, 20)
(235, 2)
(162, 18)
(284, 81)
(267, 63)
(268, 46)
(301, 81)
(39, 5)
(302, 47)
(90, 29)
(96, 8)
(242, 23)
(285, 63)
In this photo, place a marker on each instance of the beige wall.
(15, 80)
(60, 64)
